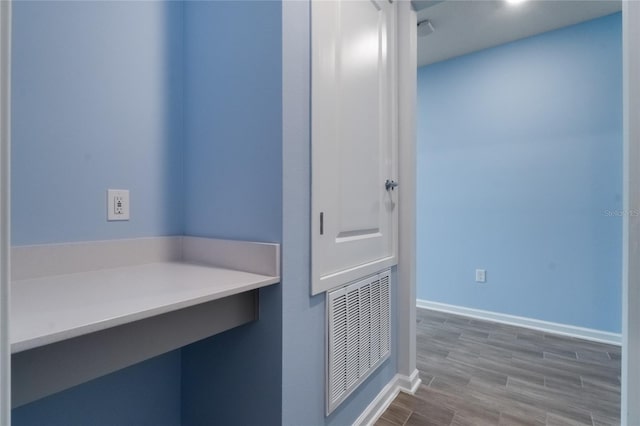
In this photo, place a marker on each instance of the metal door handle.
(390, 185)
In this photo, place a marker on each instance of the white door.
(353, 122)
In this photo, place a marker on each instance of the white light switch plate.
(118, 206)
(481, 275)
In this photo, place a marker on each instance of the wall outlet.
(118, 204)
(481, 275)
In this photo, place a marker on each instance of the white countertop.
(54, 308)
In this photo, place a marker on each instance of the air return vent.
(359, 334)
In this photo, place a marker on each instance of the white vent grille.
(359, 334)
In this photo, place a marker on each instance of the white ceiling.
(465, 26)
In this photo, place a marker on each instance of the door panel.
(353, 140)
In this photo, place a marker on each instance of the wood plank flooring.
(482, 373)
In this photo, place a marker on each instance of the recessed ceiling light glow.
(516, 1)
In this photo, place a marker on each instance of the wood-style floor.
(481, 373)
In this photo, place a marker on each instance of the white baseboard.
(546, 326)
(410, 383)
(399, 383)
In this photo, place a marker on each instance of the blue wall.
(233, 175)
(97, 98)
(146, 394)
(233, 119)
(303, 322)
(519, 171)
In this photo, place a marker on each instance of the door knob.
(390, 185)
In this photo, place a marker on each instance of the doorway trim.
(407, 104)
(5, 209)
(5, 187)
(630, 389)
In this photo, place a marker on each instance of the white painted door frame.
(5, 227)
(407, 104)
(630, 408)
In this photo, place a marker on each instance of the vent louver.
(359, 334)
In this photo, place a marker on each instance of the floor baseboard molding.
(399, 383)
(410, 383)
(535, 324)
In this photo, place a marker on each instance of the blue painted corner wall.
(233, 176)
(182, 105)
(520, 173)
(233, 119)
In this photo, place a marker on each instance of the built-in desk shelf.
(51, 309)
(83, 310)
